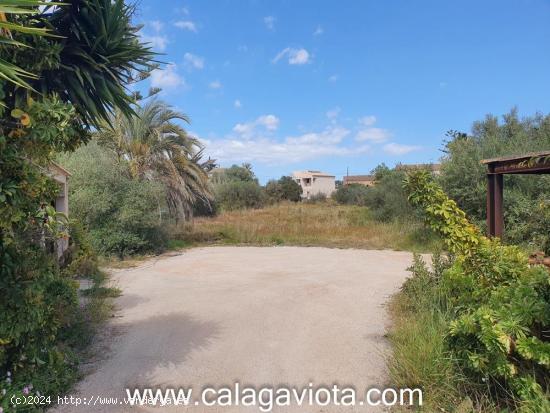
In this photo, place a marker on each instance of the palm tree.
(157, 148)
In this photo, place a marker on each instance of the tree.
(62, 70)
(285, 188)
(120, 212)
(237, 187)
(157, 148)
(525, 197)
(241, 173)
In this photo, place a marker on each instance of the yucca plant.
(90, 55)
(100, 52)
(9, 10)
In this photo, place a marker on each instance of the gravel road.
(277, 316)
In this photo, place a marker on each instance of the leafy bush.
(239, 195)
(285, 189)
(237, 188)
(354, 194)
(386, 200)
(316, 198)
(463, 175)
(122, 214)
(499, 306)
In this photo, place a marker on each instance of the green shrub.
(122, 214)
(239, 195)
(463, 177)
(386, 200)
(353, 194)
(316, 198)
(499, 306)
(284, 189)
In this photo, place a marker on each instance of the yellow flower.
(25, 119)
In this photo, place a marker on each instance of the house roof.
(527, 163)
(522, 157)
(58, 168)
(359, 178)
(309, 173)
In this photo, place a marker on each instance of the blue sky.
(331, 85)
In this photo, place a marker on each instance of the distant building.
(315, 183)
(435, 168)
(367, 180)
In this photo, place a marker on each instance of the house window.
(307, 181)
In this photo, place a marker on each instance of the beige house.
(315, 183)
(367, 180)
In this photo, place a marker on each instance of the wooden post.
(495, 210)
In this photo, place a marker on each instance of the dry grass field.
(322, 224)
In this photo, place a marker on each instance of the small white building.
(61, 202)
(315, 183)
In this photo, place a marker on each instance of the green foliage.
(77, 78)
(155, 148)
(12, 9)
(241, 173)
(354, 194)
(463, 175)
(237, 188)
(386, 200)
(122, 214)
(319, 197)
(284, 189)
(89, 60)
(499, 306)
(233, 195)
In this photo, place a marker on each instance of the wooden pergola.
(530, 163)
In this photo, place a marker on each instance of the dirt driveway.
(280, 316)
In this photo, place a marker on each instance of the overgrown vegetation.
(490, 307)
(320, 224)
(123, 215)
(386, 200)
(526, 198)
(52, 90)
(237, 188)
(284, 189)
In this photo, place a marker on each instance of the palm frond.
(158, 148)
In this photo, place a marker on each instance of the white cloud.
(333, 78)
(270, 122)
(375, 135)
(330, 136)
(259, 148)
(270, 22)
(237, 104)
(267, 123)
(399, 149)
(186, 25)
(157, 25)
(295, 56)
(167, 77)
(318, 31)
(216, 84)
(367, 120)
(192, 61)
(157, 41)
(332, 114)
